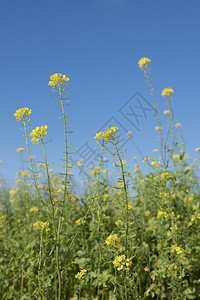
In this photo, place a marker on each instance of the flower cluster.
(176, 249)
(121, 263)
(58, 80)
(167, 92)
(112, 240)
(22, 113)
(162, 214)
(81, 274)
(39, 225)
(106, 135)
(166, 112)
(172, 267)
(143, 62)
(80, 221)
(25, 174)
(20, 149)
(38, 133)
(33, 209)
(194, 219)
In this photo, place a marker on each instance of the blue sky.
(97, 44)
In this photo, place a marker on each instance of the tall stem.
(156, 110)
(54, 223)
(31, 162)
(126, 203)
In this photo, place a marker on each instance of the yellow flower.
(22, 113)
(176, 249)
(197, 149)
(0, 161)
(80, 221)
(24, 174)
(20, 149)
(12, 200)
(38, 133)
(112, 240)
(159, 214)
(155, 150)
(106, 135)
(166, 112)
(129, 133)
(172, 267)
(39, 225)
(33, 209)
(176, 156)
(118, 222)
(147, 213)
(14, 191)
(167, 92)
(79, 163)
(158, 128)
(81, 274)
(41, 165)
(58, 80)
(143, 62)
(121, 263)
(178, 125)
(18, 181)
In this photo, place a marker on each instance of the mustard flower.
(22, 113)
(106, 135)
(25, 174)
(80, 221)
(155, 150)
(178, 125)
(172, 267)
(158, 128)
(39, 225)
(112, 240)
(143, 62)
(81, 274)
(20, 149)
(197, 149)
(38, 133)
(167, 92)
(166, 112)
(33, 209)
(14, 191)
(121, 263)
(58, 79)
(41, 165)
(176, 156)
(129, 133)
(147, 213)
(79, 163)
(176, 249)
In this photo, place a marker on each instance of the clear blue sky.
(97, 44)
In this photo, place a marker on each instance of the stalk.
(156, 109)
(31, 162)
(126, 203)
(54, 223)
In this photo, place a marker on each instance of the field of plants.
(132, 237)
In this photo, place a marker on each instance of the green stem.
(31, 163)
(126, 203)
(54, 223)
(156, 109)
(87, 212)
